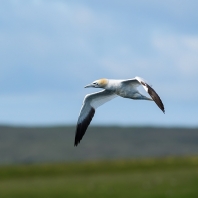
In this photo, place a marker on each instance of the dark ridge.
(29, 145)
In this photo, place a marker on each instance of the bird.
(111, 88)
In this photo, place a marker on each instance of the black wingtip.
(82, 127)
(161, 106)
(77, 138)
(76, 142)
(155, 97)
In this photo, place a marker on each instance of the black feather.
(155, 97)
(82, 126)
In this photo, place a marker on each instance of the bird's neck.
(112, 85)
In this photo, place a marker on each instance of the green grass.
(151, 178)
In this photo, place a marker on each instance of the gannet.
(112, 88)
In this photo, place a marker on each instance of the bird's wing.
(90, 103)
(140, 81)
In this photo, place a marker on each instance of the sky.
(49, 50)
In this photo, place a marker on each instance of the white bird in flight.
(112, 88)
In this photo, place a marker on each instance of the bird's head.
(101, 83)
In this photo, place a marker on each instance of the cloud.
(57, 47)
(180, 51)
(42, 27)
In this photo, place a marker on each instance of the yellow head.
(101, 83)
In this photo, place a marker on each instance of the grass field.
(149, 178)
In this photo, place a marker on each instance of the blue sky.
(49, 50)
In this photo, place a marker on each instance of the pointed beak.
(90, 85)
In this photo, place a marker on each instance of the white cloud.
(53, 39)
(60, 46)
(180, 51)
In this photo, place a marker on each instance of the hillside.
(55, 144)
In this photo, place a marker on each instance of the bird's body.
(112, 88)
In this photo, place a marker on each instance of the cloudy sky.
(49, 50)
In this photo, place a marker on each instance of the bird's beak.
(90, 85)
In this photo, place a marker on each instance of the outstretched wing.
(140, 81)
(90, 103)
